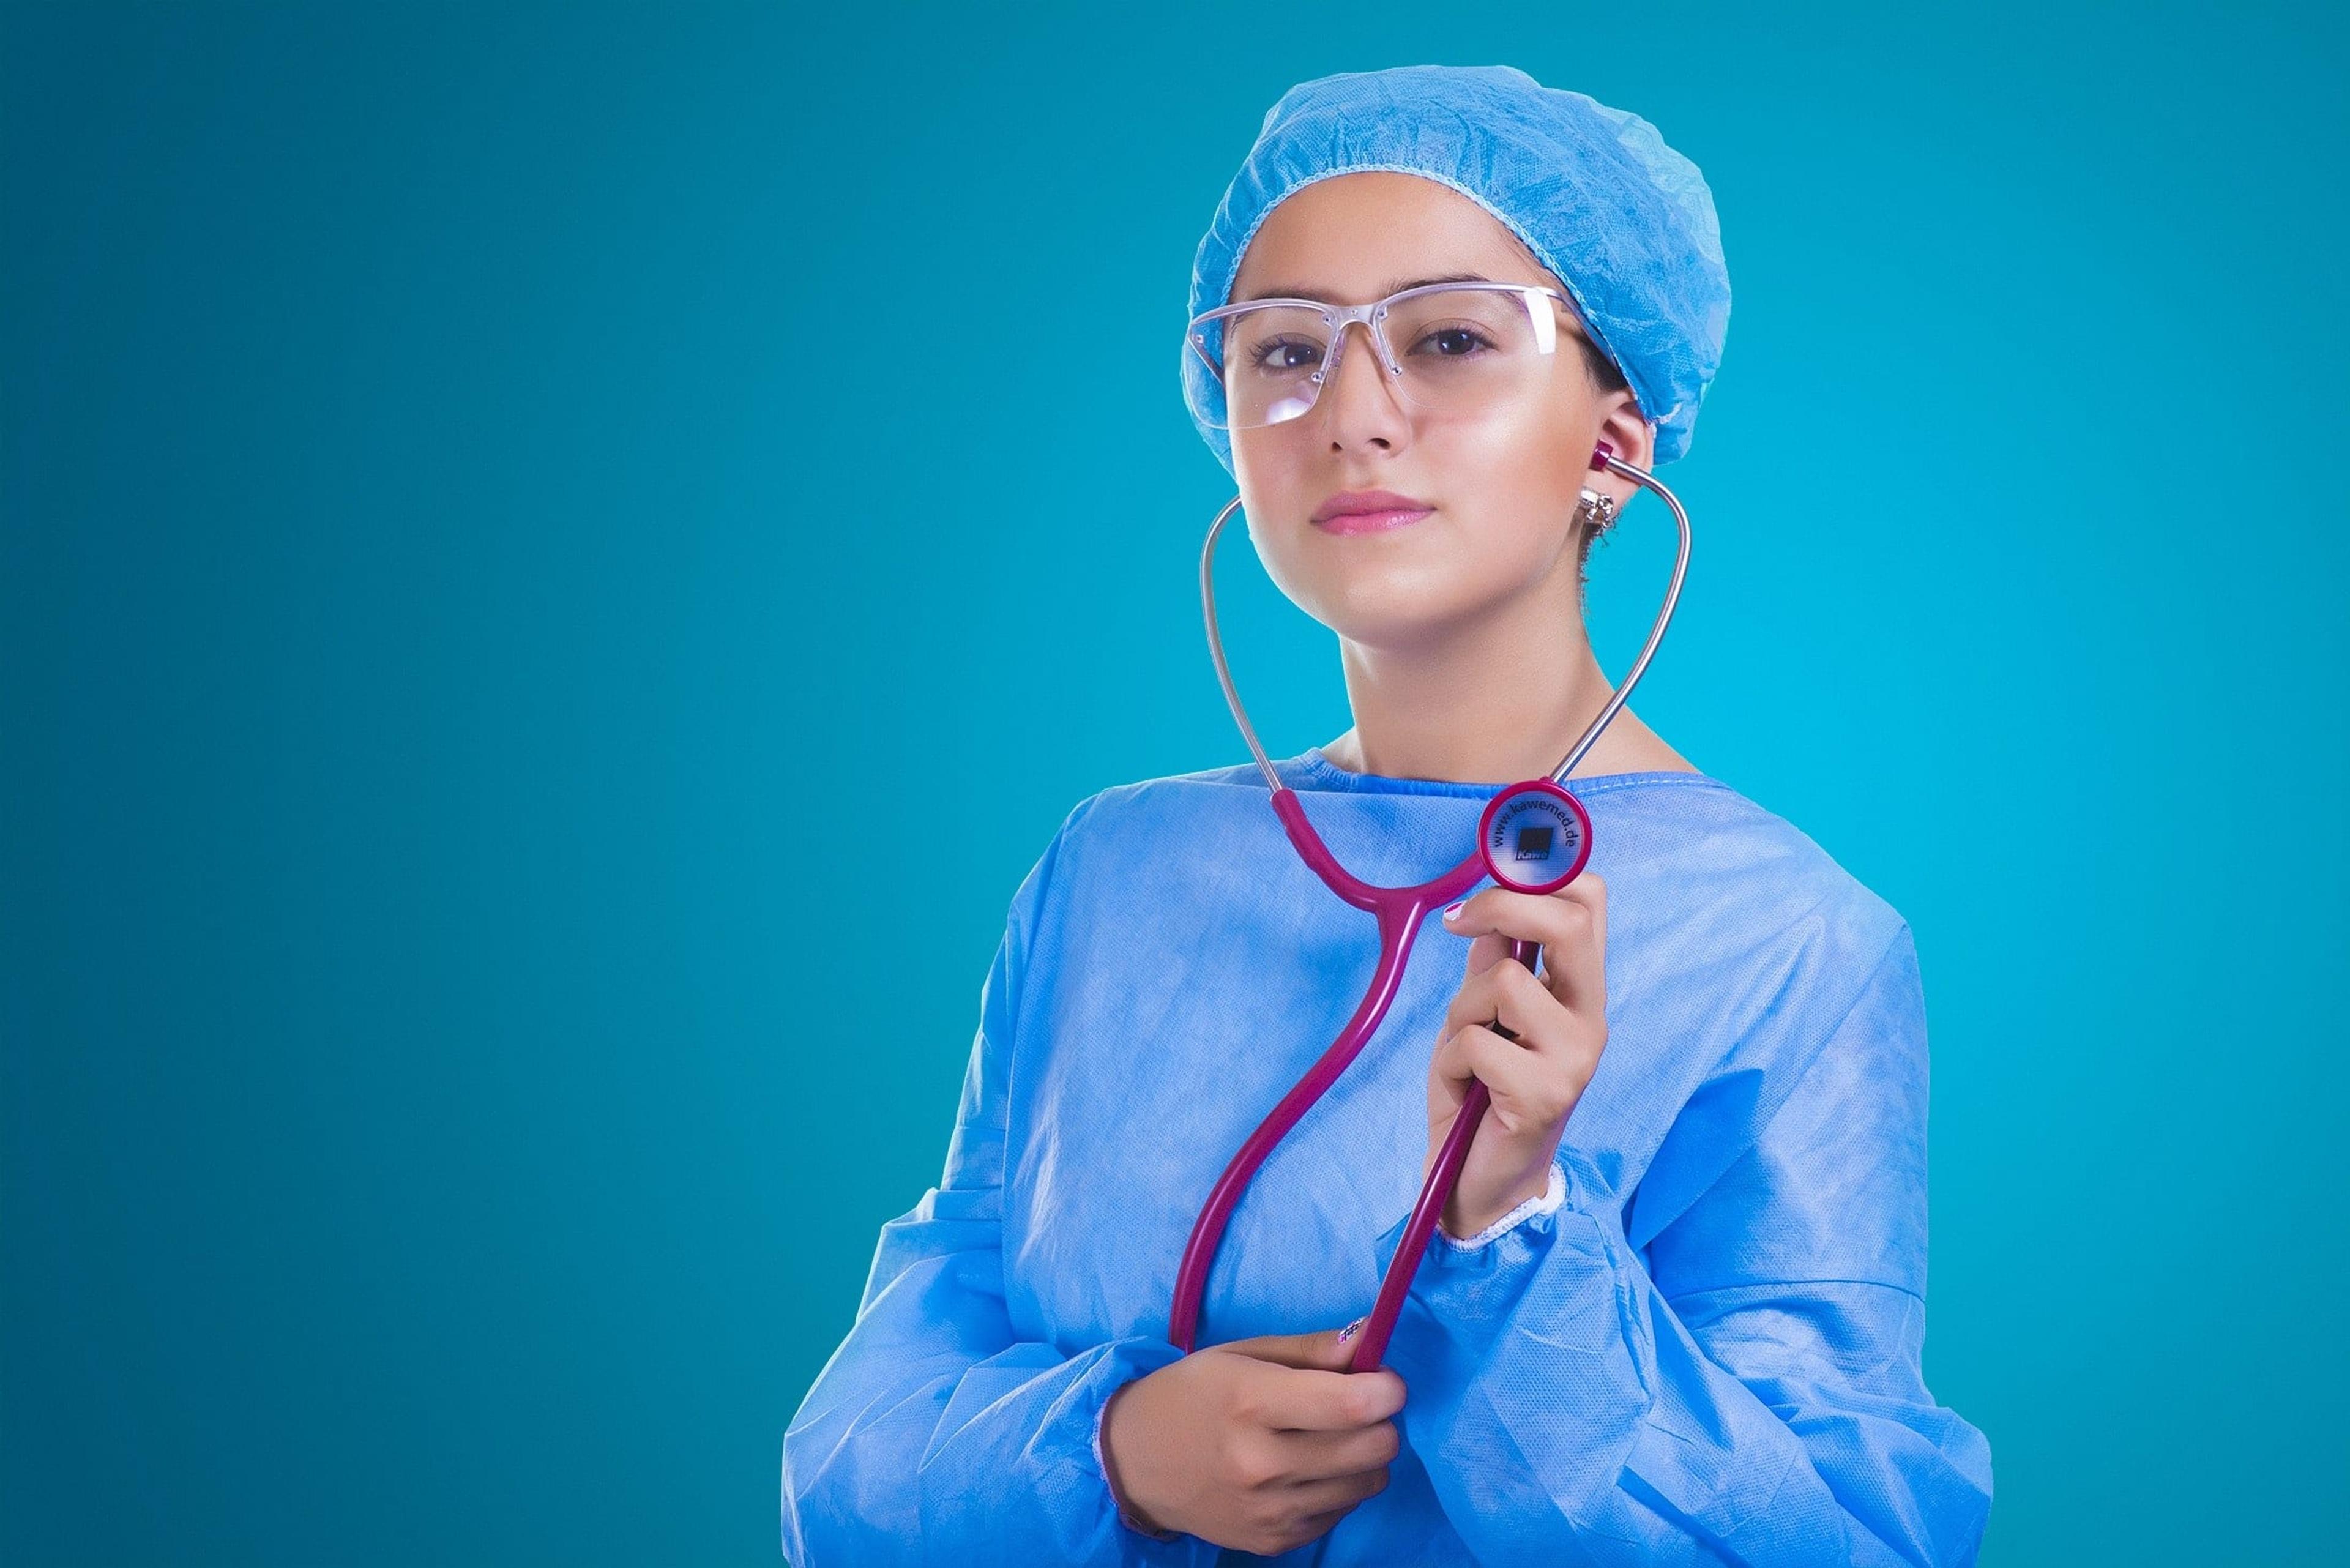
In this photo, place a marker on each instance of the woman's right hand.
(1262, 1443)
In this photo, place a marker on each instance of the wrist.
(1540, 1195)
(1129, 1512)
(1460, 1222)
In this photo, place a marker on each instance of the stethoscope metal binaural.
(1532, 837)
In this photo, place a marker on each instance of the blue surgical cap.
(1625, 222)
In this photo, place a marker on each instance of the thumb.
(1486, 950)
(1320, 1352)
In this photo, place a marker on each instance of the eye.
(1460, 341)
(1277, 351)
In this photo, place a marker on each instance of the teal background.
(490, 493)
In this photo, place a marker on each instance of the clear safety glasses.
(1448, 348)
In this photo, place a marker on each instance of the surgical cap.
(1622, 220)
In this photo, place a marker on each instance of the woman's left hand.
(1560, 1019)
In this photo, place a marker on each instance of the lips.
(1369, 512)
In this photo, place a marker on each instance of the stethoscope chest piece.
(1535, 837)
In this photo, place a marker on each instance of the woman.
(1674, 1310)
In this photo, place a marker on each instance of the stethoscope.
(1532, 837)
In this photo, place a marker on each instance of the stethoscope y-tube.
(1532, 837)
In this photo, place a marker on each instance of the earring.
(1596, 509)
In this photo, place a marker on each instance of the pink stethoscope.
(1532, 837)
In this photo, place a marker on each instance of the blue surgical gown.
(1706, 1350)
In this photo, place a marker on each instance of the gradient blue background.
(493, 494)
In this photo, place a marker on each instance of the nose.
(1355, 402)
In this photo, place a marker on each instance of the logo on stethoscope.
(1536, 837)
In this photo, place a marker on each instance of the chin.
(1396, 611)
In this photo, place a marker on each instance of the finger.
(1312, 1528)
(1315, 1455)
(1577, 971)
(1569, 923)
(1470, 1002)
(1511, 994)
(1299, 1399)
(1484, 952)
(1528, 916)
(1322, 1351)
(1527, 1091)
(1337, 1495)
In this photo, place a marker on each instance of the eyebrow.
(1286, 292)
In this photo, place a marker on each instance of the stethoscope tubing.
(1399, 913)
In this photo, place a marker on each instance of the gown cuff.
(1544, 1202)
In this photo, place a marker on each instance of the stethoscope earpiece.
(1596, 509)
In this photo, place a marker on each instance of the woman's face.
(1502, 485)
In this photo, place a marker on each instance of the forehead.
(1357, 237)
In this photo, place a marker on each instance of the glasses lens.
(1461, 350)
(1468, 350)
(1260, 366)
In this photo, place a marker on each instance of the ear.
(1633, 439)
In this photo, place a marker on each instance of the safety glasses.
(1448, 348)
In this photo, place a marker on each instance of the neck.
(1498, 699)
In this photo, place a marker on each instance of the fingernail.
(1347, 1332)
(1452, 912)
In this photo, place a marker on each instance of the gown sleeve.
(934, 1434)
(1759, 1400)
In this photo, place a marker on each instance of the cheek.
(1512, 482)
(1524, 456)
(1275, 497)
